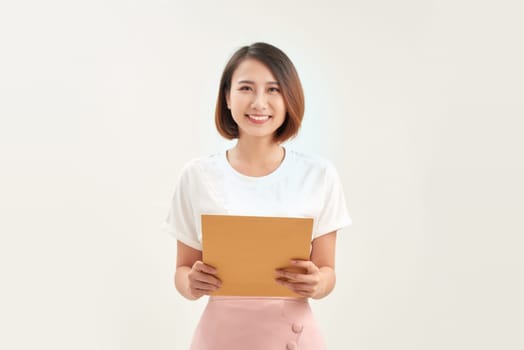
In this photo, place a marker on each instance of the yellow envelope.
(246, 250)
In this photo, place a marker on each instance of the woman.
(261, 104)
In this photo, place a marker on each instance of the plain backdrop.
(419, 105)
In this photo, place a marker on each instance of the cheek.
(239, 100)
(280, 105)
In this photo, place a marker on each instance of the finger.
(198, 292)
(311, 278)
(303, 293)
(306, 264)
(200, 266)
(201, 292)
(293, 276)
(298, 288)
(204, 286)
(205, 278)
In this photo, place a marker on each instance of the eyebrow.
(252, 82)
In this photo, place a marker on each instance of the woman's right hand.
(202, 279)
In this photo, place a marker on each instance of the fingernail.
(293, 261)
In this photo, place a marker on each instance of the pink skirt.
(257, 323)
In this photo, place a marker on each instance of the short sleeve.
(180, 221)
(334, 214)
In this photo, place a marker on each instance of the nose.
(259, 101)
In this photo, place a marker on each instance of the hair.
(284, 71)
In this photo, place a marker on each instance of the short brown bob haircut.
(284, 71)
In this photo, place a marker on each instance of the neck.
(257, 152)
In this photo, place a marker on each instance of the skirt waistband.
(213, 298)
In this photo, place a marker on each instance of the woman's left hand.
(306, 284)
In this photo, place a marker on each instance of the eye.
(244, 87)
(274, 89)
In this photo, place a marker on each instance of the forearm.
(182, 282)
(326, 283)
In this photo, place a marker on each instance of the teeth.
(259, 117)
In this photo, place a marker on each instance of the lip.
(260, 121)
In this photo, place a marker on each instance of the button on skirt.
(239, 323)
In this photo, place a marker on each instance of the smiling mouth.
(258, 118)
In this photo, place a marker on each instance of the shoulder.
(198, 167)
(311, 162)
(202, 163)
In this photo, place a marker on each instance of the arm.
(193, 278)
(319, 279)
(323, 256)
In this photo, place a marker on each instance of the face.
(255, 100)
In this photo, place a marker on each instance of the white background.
(419, 105)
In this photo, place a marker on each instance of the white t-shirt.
(302, 186)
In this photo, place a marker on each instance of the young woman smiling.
(261, 105)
